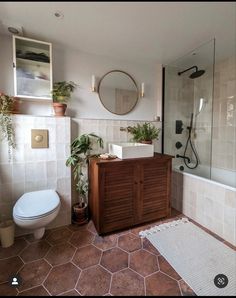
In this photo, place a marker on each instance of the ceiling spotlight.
(59, 15)
(13, 30)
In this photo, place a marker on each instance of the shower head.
(196, 74)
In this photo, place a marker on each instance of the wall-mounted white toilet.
(35, 210)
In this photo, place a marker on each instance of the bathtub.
(225, 177)
(210, 203)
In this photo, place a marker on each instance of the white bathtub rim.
(206, 179)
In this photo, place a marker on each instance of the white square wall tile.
(35, 171)
(51, 169)
(18, 172)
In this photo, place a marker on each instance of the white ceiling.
(139, 31)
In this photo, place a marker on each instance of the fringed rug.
(207, 265)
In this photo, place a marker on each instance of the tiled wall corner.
(37, 169)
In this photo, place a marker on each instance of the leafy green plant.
(6, 126)
(144, 132)
(62, 91)
(81, 149)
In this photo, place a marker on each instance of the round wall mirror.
(118, 92)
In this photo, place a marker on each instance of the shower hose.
(189, 142)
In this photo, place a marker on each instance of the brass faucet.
(127, 129)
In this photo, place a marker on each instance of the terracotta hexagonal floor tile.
(127, 283)
(9, 267)
(147, 245)
(185, 289)
(94, 281)
(75, 228)
(129, 242)
(6, 290)
(143, 262)
(59, 236)
(13, 250)
(105, 242)
(33, 274)
(167, 268)
(87, 256)
(82, 238)
(62, 279)
(38, 291)
(71, 293)
(160, 284)
(60, 254)
(35, 251)
(114, 259)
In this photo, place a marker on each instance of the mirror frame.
(117, 70)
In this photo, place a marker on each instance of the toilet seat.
(36, 205)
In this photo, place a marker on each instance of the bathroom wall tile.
(4, 152)
(51, 168)
(34, 171)
(60, 151)
(6, 193)
(230, 198)
(60, 134)
(52, 183)
(18, 153)
(18, 172)
(18, 189)
(62, 170)
(35, 185)
(5, 173)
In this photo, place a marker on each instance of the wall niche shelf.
(32, 66)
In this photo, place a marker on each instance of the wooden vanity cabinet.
(128, 192)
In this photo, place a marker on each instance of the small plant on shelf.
(6, 126)
(81, 149)
(61, 94)
(144, 133)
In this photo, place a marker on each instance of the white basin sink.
(131, 150)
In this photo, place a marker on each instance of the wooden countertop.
(156, 156)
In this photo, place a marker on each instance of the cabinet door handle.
(141, 182)
(135, 182)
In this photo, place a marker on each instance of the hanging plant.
(6, 126)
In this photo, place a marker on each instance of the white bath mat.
(196, 256)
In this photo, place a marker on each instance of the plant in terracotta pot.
(144, 133)
(61, 94)
(81, 149)
(6, 126)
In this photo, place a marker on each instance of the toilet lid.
(36, 203)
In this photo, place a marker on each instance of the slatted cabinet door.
(118, 196)
(124, 193)
(153, 202)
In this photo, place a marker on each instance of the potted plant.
(61, 93)
(6, 125)
(144, 133)
(80, 153)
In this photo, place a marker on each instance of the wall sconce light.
(142, 90)
(93, 83)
